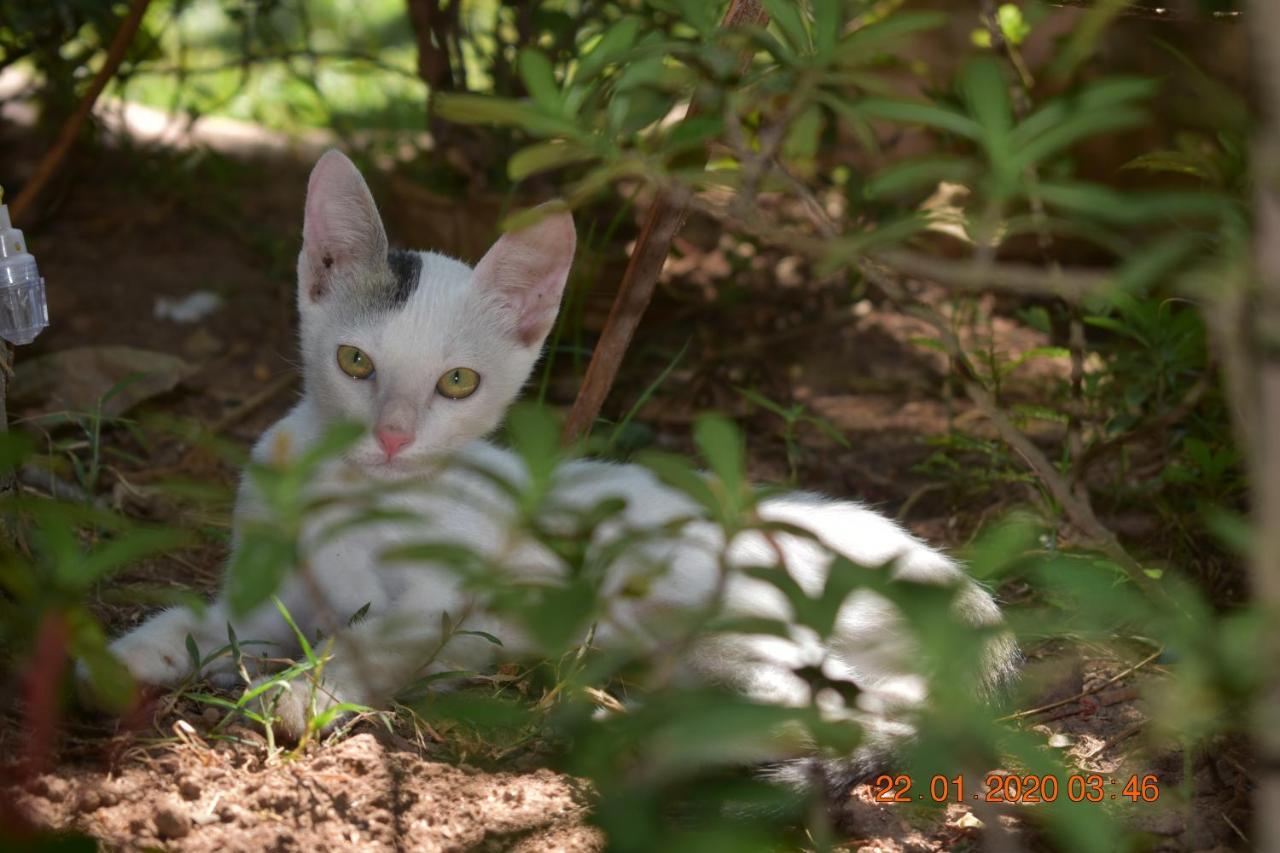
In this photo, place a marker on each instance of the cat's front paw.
(156, 651)
(294, 706)
(152, 662)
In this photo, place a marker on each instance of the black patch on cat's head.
(406, 268)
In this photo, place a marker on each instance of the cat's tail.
(885, 737)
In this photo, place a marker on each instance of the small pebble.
(190, 789)
(1059, 741)
(56, 789)
(172, 822)
(90, 801)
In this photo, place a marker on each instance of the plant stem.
(663, 222)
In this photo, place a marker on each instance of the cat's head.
(424, 351)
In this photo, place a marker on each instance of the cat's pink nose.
(392, 441)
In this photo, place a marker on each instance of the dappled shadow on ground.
(361, 792)
(124, 237)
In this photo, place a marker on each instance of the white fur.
(494, 321)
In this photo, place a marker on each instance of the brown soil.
(113, 244)
(359, 793)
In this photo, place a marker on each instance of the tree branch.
(1261, 382)
(663, 221)
(53, 158)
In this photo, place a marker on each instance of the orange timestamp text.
(1012, 788)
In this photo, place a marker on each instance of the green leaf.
(475, 710)
(503, 112)
(193, 652)
(112, 683)
(297, 632)
(1002, 547)
(915, 112)
(540, 79)
(751, 625)
(914, 175)
(257, 567)
(693, 132)
(676, 472)
(1108, 205)
(721, 444)
(882, 36)
(1072, 130)
(484, 635)
(322, 720)
(419, 689)
(359, 615)
(544, 156)
(15, 447)
(986, 94)
(1178, 162)
(609, 49)
(109, 678)
(458, 557)
(785, 14)
(337, 438)
(765, 403)
(801, 142)
(535, 437)
(128, 547)
(1099, 97)
(558, 616)
(826, 28)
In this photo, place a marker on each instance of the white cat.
(429, 355)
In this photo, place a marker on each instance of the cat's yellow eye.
(458, 383)
(354, 362)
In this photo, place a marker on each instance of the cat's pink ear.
(528, 268)
(342, 232)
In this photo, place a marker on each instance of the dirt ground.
(127, 232)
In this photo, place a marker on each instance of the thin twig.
(1160, 12)
(1031, 712)
(259, 398)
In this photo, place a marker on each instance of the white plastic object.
(23, 310)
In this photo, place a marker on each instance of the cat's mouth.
(379, 465)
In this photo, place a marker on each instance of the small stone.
(107, 798)
(90, 801)
(51, 788)
(1059, 741)
(189, 789)
(211, 716)
(1168, 824)
(172, 822)
(202, 344)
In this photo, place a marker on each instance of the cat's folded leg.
(156, 652)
